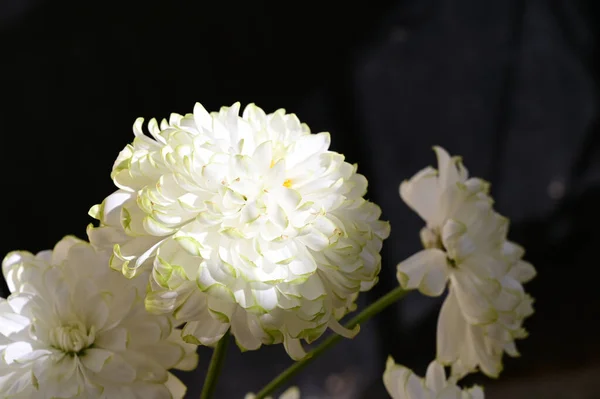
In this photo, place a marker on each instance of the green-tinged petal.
(294, 348)
(175, 387)
(207, 331)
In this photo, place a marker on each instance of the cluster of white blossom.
(250, 224)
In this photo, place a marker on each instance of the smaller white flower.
(402, 383)
(466, 248)
(290, 393)
(74, 328)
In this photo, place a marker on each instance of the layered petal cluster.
(73, 328)
(247, 222)
(466, 249)
(402, 383)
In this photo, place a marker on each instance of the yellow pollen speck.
(287, 183)
(272, 163)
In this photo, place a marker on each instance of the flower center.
(72, 338)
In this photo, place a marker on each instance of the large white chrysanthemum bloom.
(466, 248)
(402, 383)
(73, 328)
(248, 223)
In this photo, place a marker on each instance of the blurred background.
(511, 85)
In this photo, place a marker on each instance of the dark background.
(511, 85)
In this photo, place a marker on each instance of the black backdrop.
(509, 84)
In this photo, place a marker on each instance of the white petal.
(11, 268)
(343, 331)
(401, 383)
(449, 174)
(294, 348)
(97, 314)
(148, 366)
(19, 302)
(263, 156)
(111, 207)
(207, 331)
(176, 387)
(421, 193)
(266, 299)
(114, 339)
(62, 248)
(117, 370)
(15, 351)
(144, 390)
(395, 378)
(450, 392)
(450, 330)
(94, 359)
(426, 270)
(11, 323)
(17, 384)
(306, 146)
(167, 354)
(522, 271)
(435, 378)
(475, 393)
(290, 393)
(475, 304)
(242, 333)
(487, 357)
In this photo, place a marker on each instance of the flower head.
(402, 383)
(73, 328)
(247, 222)
(466, 248)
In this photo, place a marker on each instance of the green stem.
(214, 369)
(376, 307)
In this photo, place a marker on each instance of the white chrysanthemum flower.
(247, 222)
(402, 383)
(465, 247)
(290, 393)
(73, 328)
(461, 238)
